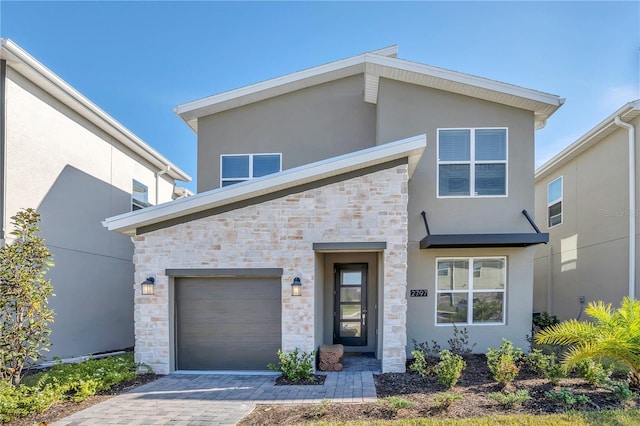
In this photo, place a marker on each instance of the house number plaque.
(419, 293)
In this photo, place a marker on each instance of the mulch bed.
(59, 411)
(474, 386)
(316, 379)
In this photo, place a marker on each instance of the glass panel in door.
(350, 304)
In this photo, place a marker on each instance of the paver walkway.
(211, 399)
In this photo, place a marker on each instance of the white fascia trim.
(267, 84)
(31, 68)
(585, 141)
(181, 109)
(411, 148)
(467, 79)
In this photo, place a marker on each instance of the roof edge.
(46, 79)
(411, 148)
(585, 141)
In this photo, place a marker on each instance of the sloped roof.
(627, 112)
(411, 148)
(47, 80)
(376, 64)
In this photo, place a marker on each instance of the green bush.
(554, 371)
(397, 402)
(449, 369)
(537, 362)
(594, 372)
(502, 362)
(295, 366)
(62, 382)
(545, 320)
(509, 399)
(459, 343)
(445, 399)
(420, 364)
(620, 391)
(566, 398)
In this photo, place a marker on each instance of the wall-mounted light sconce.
(148, 286)
(296, 287)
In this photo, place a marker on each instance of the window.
(240, 167)
(472, 162)
(139, 196)
(554, 202)
(471, 290)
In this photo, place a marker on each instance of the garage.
(227, 323)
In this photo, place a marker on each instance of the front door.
(350, 308)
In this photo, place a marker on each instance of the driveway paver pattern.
(214, 399)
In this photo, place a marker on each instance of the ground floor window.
(471, 290)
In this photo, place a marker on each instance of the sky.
(138, 60)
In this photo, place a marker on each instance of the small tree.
(24, 293)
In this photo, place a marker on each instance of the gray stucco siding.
(305, 126)
(405, 110)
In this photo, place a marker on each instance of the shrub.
(612, 334)
(594, 372)
(459, 343)
(449, 369)
(295, 366)
(536, 362)
(502, 362)
(322, 409)
(620, 391)
(509, 399)
(545, 320)
(62, 382)
(420, 364)
(24, 294)
(445, 399)
(429, 351)
(397, 402)
(554, 371)
(566, 398)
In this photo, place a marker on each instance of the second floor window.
(139, 196)
(235, 168)
(472, 162)
(554, 202)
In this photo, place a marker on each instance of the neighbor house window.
(139, 196)
(472, 162)
(554, 202)
(471, 290)
(240, 167)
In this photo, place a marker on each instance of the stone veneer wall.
(280, 234)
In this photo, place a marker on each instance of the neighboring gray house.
(585, 200)
(65, 157)
(313, 183)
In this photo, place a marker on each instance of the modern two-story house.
(367, 201)
(65, 157)
(586, 199)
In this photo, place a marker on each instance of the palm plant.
(612, 334)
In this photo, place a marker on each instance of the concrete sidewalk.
(211, 399)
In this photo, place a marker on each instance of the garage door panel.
(248, 311)
(227, 323)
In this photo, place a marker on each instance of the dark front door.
(350, 314)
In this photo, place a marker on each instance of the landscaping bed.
(474, 387)
(64, 409)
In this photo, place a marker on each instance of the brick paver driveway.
(209, 399)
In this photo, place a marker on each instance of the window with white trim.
(139, 196)
(472, 162)
(235, 168)
(554, 202)
(471, 290)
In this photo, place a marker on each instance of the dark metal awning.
(484, 240)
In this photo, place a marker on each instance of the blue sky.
(138, 60)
